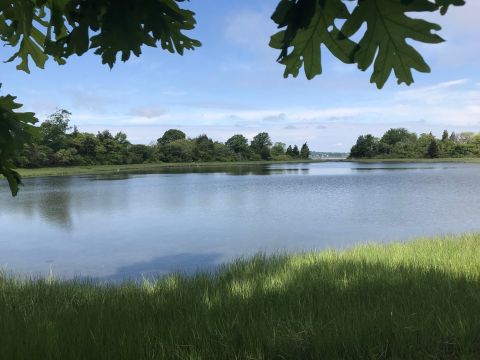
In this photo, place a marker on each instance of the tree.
(203, 148)
(305, 151)
(445, 136)
(53, 131)
(432, 150)
(171, 135)
(86, 144)
(238, 144)
(366, 146)
(393, 136)
(374, 33)
(278, 149)
(139, 153)
(176, 151)
(295, 152)
(260, 145)
(289, 151)
(453, 137)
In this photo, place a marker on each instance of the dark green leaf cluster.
(60, 28)
(402, 144)
(16, 128)
(382, 26)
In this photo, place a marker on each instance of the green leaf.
(444, 4)
(61, 28)
(16, 129)
(123, 27)
(384, 42)
(309, 24)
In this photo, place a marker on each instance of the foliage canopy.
(40, 29)
(403, 144)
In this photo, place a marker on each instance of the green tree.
(238, 144)
(261, 144)
(365, 147)
(53, 131)
(453, 137)
(289, 151)
(295, 152)
(66, 157)
(305, 151)
(86, 144)
(139, 153)
(445, 135)
(177, 151)
(171, 135)
(222, 152)
(393, 136)
(203, 148)
(432, 150)
(278, 149)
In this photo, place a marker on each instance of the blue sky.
(232, 85)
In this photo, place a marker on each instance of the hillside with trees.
(402, 144)
(56, 143)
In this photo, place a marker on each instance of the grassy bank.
(418, 300)
(106, 169)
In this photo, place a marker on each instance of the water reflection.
(186, 263)
(54, 199)
(227, 169)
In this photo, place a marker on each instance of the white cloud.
(148, 112)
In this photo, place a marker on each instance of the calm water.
(127, 226)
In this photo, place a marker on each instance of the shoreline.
(151, 167)
(112, 169)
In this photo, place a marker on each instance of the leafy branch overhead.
(16, 129)
(61, 28)
(382, 26)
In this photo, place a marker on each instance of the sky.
(233, 85)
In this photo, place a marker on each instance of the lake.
(129, 226)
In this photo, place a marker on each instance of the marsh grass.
(417, 300)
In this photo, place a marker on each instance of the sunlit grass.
(418, 300)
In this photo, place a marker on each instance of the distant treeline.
(328, 155)
(55, 143)
(400, 143)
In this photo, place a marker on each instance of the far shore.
(152, 167)
(408, 160)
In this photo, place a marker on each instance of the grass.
(417, 300)
(106, 169)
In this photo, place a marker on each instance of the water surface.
(114, 227)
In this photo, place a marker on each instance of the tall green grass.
(418, 300)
